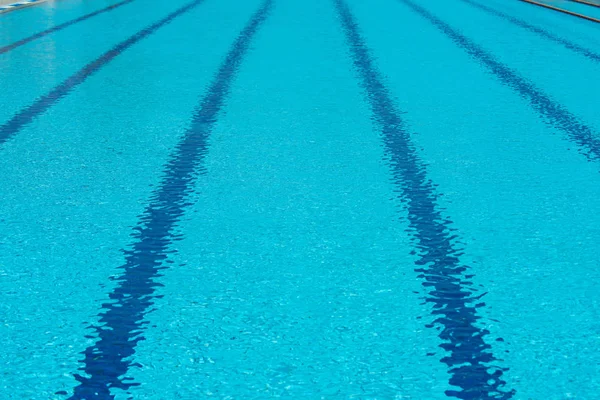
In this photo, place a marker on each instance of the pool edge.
(18, 6)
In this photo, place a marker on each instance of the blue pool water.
(341, 199)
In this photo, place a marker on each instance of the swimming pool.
(334, 199)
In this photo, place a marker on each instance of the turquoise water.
(308, 200)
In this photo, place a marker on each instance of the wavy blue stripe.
(552, 112)
(107, 362)
(41, 105)
(470, 359)
(59, 27)
(539, 31)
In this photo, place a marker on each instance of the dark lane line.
(539, 31)
(470, 359)
(551, 112)
(42, 104)
(62, 26)
(122, 320)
